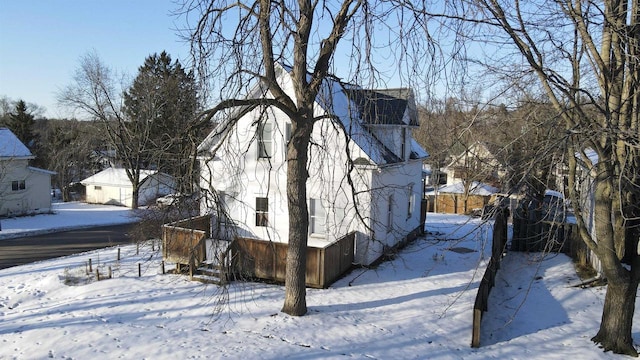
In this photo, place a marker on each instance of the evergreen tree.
(21, 122)
(163, 100)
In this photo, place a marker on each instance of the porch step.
(206, 279)
(211, 274)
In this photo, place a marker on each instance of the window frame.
(265, 143)
(316, 218)
(262, 211)
(18, 185)
(411, 202)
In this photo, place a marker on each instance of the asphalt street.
(25, 250)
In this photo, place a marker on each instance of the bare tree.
(94, 92)
(67, 146)
(238, 44)
(585, 56)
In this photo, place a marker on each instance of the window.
(265, 141)
(317, 217)
(18, 185)
(390, 214)
(262, 211)
(287, 132)
(97, 187)
(403, 146)
(412, 201)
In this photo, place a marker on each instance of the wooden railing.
(266, 260)
(498, 247)
(183, 241)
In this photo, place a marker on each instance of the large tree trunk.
(617, 317)
(295, 278)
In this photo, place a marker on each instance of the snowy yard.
(419, 305)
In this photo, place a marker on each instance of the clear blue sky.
(41, 42)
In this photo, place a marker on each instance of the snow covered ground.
(416, 306)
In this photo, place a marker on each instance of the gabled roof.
(116, 177)
(11, 146)
(356, 109)
(383, 106)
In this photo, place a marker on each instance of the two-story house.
(365, 169)
(23, 189)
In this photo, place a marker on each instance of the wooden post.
(90, 267)
(97, 275)
(110, 273)
(139, 270)
(118, 253)
(163, 268)
(153, 245)
(475, 336)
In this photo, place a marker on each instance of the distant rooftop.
(11, 146)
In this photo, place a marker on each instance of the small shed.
(451, 199)
(112, 186)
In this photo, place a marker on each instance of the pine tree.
(21, 122)
(163, 99)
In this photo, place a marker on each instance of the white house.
(112, 186)
(365, 169)
(23, 189)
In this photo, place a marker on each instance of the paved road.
(25, 250)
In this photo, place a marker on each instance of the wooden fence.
(543, 236)
(255, 258)
(183, 241)
(498, 248)
(450, 203)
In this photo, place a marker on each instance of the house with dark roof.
(24, 189)
(365, 170)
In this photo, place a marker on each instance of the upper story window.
(317, 217)
(18, 185)
(265, 140)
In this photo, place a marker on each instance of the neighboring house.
(365, 169)
(479, 162)
(23, 189)
(112, 186)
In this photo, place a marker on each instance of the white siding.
(34, 198)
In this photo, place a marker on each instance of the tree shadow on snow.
(520, 304)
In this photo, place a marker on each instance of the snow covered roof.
(11, 146)
(476, 188)
(356, 109)
(43, 171)
(553, 193)
(115, 177)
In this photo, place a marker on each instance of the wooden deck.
(184, 243)
(267, 260)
